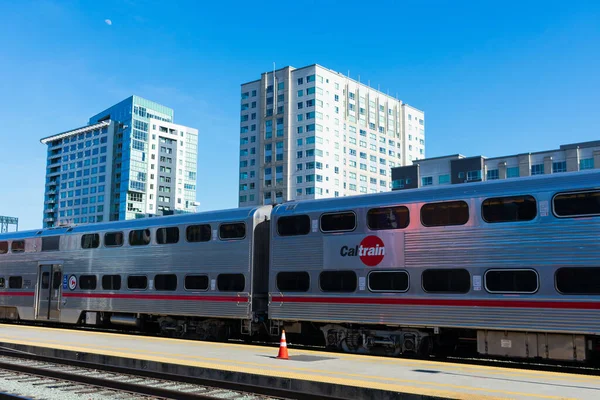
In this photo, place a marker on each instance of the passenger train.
(511, 267)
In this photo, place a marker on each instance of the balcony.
(49, 219)
(51, 191)
(50, 210)
(52, 183)
(50, 201)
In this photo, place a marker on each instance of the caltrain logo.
(371, 251)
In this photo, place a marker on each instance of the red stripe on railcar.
(233, 299)
(441, 302)
(7, 293)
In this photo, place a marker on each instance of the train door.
(49, 292)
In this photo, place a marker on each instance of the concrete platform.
(327, 374)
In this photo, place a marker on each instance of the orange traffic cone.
(283, 352)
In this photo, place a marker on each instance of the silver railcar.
(201, 273)
(510, 264)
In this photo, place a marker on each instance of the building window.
(443, 179)
(492, 174)
(537, 169)
(586, 163)
(293, 281)
(426, 181)
(512, 172)
(559, 166)
(474, 176)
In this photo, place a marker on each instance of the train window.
(165, 282)
(446, 281)
(294, 225)
(45, 280)
(90, 241)
(198, 233)
(56, 280)
(445, 214)
(139, 237)
(111, 282)
(509, 209)
(50, 243)
(17, 246)
(338, 281)
(113, 239)
(2, 283)
(231, 282)
(167, 235)
(578, 280)
(137, 282)
(511, 281)
(15, 282)
(293, 281)
(579, 204)
(388, 281)
(338, 222)
(388, 218)
(196, 282)
(3, 247)
(87, 282)
(232, 231)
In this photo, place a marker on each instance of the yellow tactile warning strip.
(411, 386)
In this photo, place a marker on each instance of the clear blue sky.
(493, 78)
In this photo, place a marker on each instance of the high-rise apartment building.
(311, 133)
(130, 161)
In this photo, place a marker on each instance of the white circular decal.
(72, 282)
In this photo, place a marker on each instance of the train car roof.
(494, 188)
(233, 214)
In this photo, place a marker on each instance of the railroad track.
(38, 377)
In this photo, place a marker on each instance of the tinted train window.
(111, 282)
(446, 280)
(293, 281)
(17, 246)
(165, 282)
(294, 225)
(50, 243)
(137, 282)
(445, 214)
(2, 282)
(113, 239)
(509, 209)
(231, 282)
(56, 281)
(232, 231)
(90, 241)
(196, 282)
(15, 282)
(3, 247)
(511, 281)
(139, 237)
(388, 281)
(87, 282)
(577, 204)
(388, 218)
(337, 281)
(338, 222)
(167, 235)
(578, 280)
(45, 280)
(198, 233)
